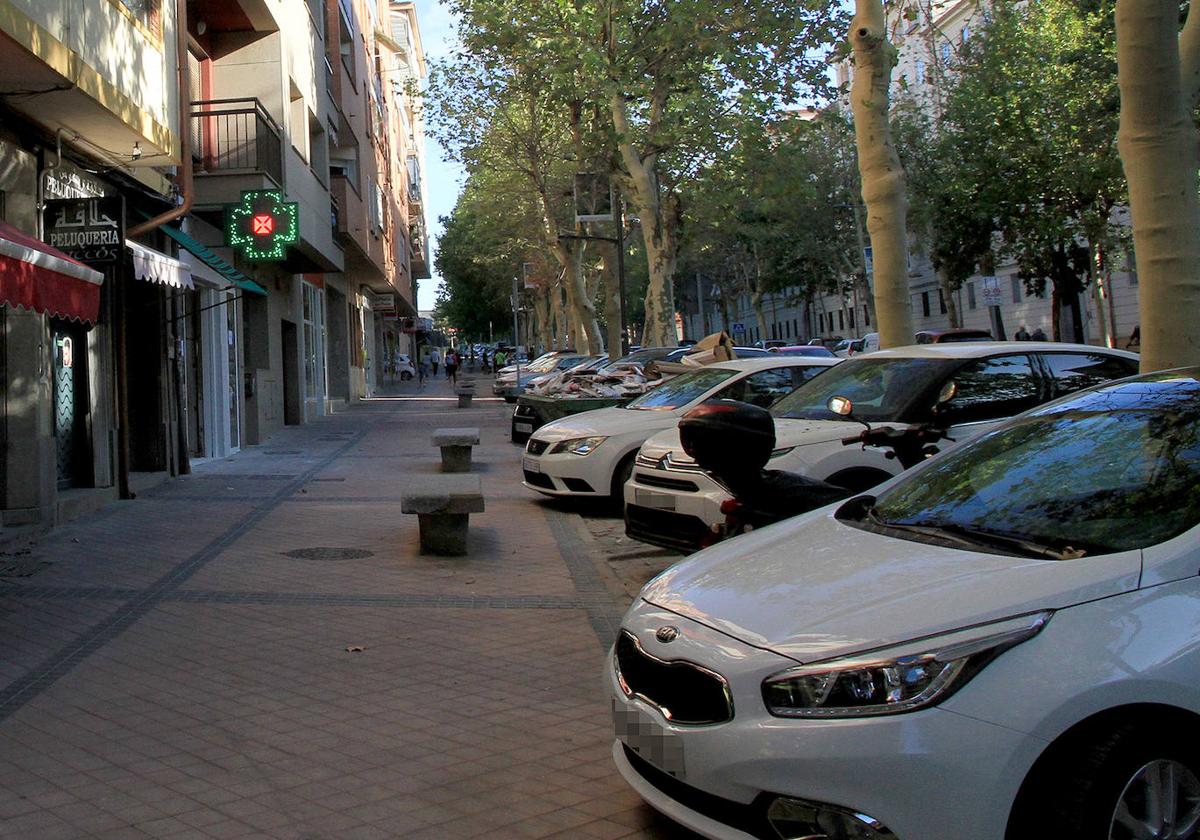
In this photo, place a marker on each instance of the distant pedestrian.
(1135, 338)
(500, 359)
(435, 359)
(1022, 334)
(1039, 335)
(452, 366)
(423, 371)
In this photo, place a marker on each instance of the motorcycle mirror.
(840, 405)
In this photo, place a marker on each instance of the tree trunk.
(951, 302)
(561, 334)
(883, 187)
(659, 217)
(1158, 71)
(581, 307)
(541, 307)
(611, 291)
(756, 300)
(1095, 269)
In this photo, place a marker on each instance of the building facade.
(204, 233)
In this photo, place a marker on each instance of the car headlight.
(578, 446)
(897, 679)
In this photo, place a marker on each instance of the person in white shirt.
(435, 359)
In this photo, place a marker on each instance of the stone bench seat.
(456, 447)
(465, 392)
(443, 505)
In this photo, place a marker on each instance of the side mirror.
(945, 395)
(840, 405)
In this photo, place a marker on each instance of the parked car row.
(998, 643)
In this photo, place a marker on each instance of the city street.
(258, 650)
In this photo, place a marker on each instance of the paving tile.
(174, 673)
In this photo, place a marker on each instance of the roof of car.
(774, 360)
(977, 349)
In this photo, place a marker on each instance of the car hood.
(812, 588)
(606, 421)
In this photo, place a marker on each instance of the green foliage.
(1027, 142)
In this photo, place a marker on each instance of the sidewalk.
(183, 665)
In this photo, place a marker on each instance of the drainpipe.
(185, 132)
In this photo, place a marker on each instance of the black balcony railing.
(236, 135)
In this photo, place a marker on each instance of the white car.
(670, 502)
(999, 645)
(591, 453)
(405, 367)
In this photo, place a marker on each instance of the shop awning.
(206, 256)
(35, 276)
(156, 267)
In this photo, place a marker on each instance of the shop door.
(70, 401)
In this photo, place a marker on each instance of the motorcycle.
(732, 442)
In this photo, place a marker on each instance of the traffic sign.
(738, 327)
(990, 291)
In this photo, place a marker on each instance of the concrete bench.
(465, 392)
(456, 448)
(443, 505)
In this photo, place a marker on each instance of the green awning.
(206, 256)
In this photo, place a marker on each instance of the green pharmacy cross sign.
(263, 225)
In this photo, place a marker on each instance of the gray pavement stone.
(170, 671)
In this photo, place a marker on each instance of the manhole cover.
(329, 554)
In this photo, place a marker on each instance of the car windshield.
(1113, 470)
(881, 390)
(681, 390)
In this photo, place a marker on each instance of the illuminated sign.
(263, 225)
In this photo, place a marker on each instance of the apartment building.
(203, 233)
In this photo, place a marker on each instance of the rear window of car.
(1076, 371)
(899, 390)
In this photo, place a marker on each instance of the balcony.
(236, 146)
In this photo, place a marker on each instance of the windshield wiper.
(986, 537)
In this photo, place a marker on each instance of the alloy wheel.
(1161, 801)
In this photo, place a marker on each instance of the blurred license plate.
(523, 427)
(650, 499)
(649, 739)
(530, 465)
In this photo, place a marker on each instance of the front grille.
(750, 818)
(539, 480)
(671, 464)
(651, 480)
(665, 528)
(536, 447)
(685, 693)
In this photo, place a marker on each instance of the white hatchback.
(591, 454)
(1001, 644)
(670, 502)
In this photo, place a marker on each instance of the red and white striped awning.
(35, 276)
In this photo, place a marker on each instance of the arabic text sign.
(91, 230)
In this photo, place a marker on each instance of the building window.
(866, 316)
(841, 320)
(1016, 288)
(146, 12)
(945, 53)
(925, 304)
(920, 71)
(966, 33)
(851, 313)
(970, 296)
(941, 302)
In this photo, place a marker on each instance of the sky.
(443, 178)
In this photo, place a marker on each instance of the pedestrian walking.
(452, 362)
(1135, 338)
(500, 359)
(1038, 335)
(423, 371)
(435, 359)
(1022, 334)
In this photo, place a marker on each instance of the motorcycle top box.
(728, 437)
